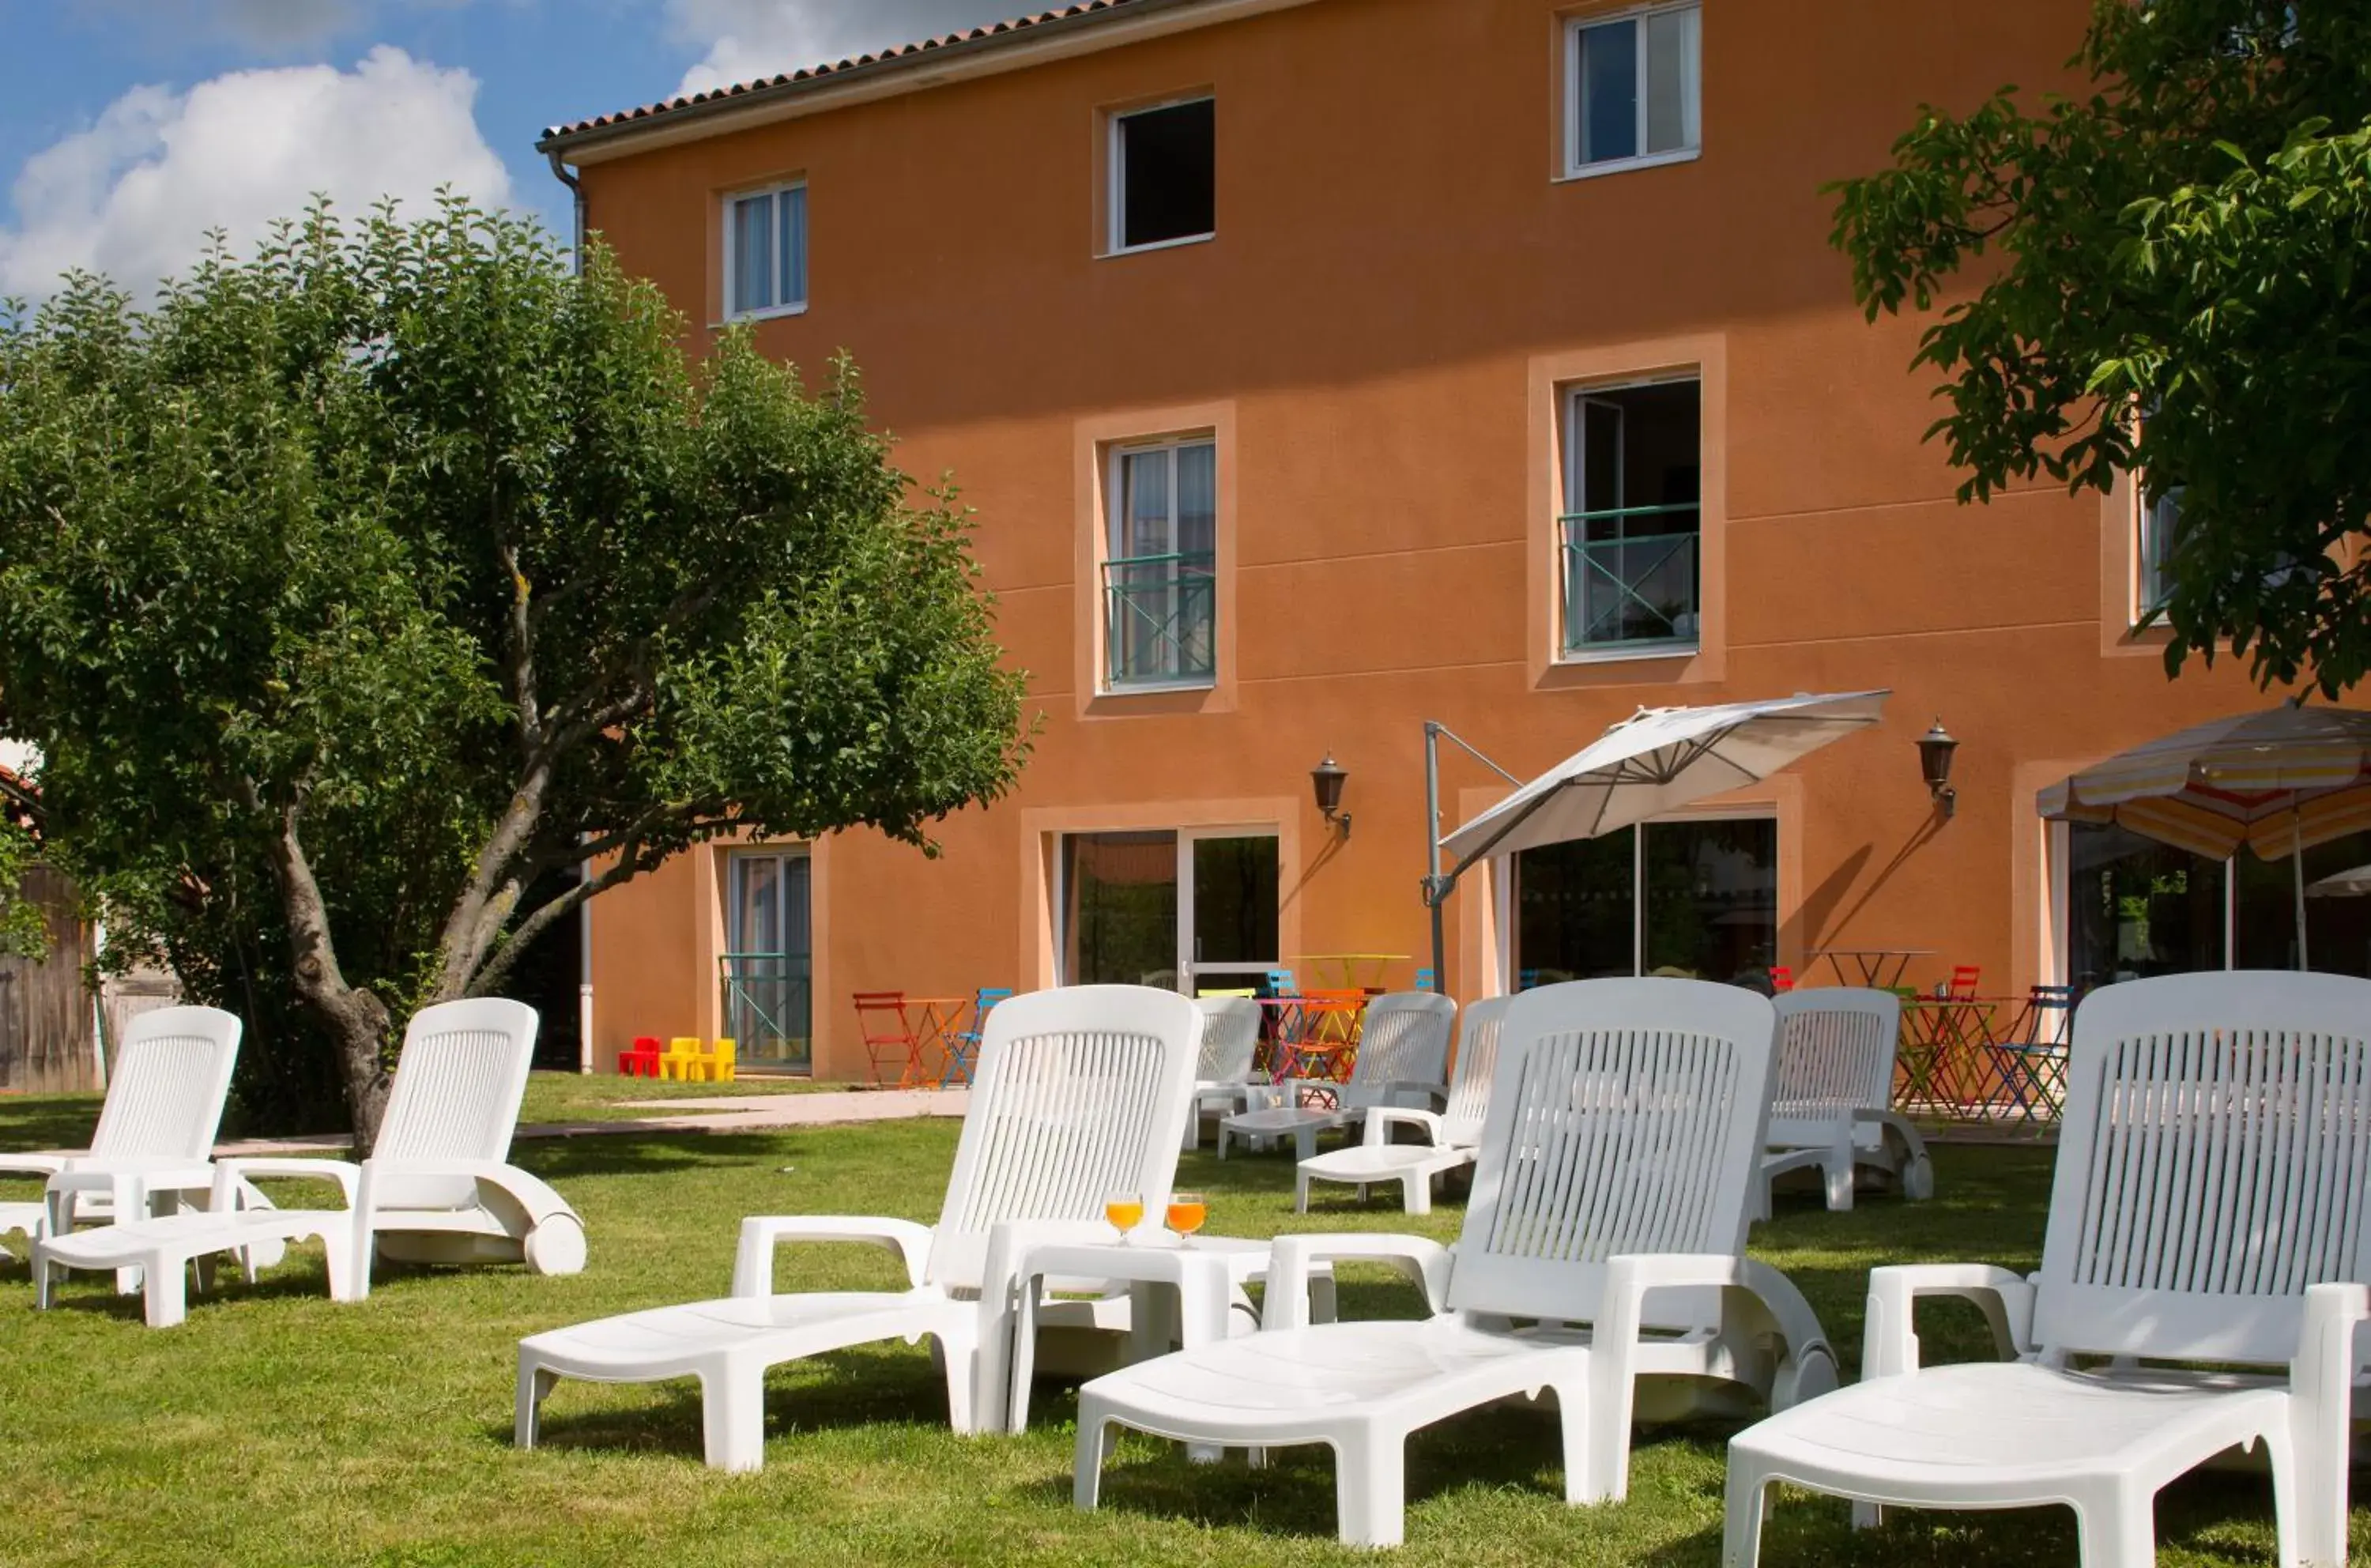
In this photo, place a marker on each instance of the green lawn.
(604, 1097)
(275, 1427)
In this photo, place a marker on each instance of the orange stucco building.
(1321, 367)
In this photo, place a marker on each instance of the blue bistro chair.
(963, 1050)
(1425, 980)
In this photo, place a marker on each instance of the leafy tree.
(2182, 289)
(360, 585)
(23, 929)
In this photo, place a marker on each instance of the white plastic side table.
(1205, 1273)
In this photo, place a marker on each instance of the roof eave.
(885, 76)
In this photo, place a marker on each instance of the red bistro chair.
(1782, 978)
(889, 1038)
(1965, 978)
(643, 1061)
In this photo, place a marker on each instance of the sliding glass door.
(1696, 897)
(1183, 910)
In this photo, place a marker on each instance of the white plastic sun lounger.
(1078, 1094)
(155, 1134)
(2210, 1206)
(1402, 1060)
(1833, 1108)
(1224, 1076)
(1610, 1198)
(1450, 1135)
(436, 1189)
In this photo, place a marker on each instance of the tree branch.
(497, 967)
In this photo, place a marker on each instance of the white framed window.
(1631, 547)
(766, 253)
(1164, 167)
(2153, 554)
(1634, 88)
(1161, 565)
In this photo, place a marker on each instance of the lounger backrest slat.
(171, 1076)
(1230, 1039)
(1081, 1093)
(1625, 1116)
(1404, 1039)
(1477, 1062)
(2214, 1160)
(457, 1093)
(1836, 1047)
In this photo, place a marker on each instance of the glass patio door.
(1183, 911)
(768, 969)
(1229, 879)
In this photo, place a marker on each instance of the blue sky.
(130, 127)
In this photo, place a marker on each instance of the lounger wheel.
(555, 1247)
(1806, 1375)
(1919, 1179)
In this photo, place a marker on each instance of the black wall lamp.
(1326, 780)
(1935, 749)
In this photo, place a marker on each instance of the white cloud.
(134, 195)
(748, 39)
(284, 24)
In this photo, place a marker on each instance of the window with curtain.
(1160, 588)
(1634, 91)
(765, 251)
(2159, 520)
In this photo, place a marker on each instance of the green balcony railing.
(1630, 577)
(1160, 615)
(769, 1009)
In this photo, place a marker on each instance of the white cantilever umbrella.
(2351, 883)
(1659, 760)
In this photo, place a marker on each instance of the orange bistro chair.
(888, 1033)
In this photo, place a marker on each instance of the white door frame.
(1189, 964)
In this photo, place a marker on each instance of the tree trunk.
(357, 1025)
(357, 1020)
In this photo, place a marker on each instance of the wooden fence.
(45, 1011)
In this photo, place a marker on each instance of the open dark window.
(1164, 181)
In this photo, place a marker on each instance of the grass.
(275, 1427)
(574, 1097)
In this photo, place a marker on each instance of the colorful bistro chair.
(1781, 979)
(888, 1035)
(963, 1049)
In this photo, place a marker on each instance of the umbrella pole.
(2296, 865)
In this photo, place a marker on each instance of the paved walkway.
(721, 1113)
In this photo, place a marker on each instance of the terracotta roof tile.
(818, 72)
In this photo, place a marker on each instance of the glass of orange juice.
(1188, 1211)
(1126, 1212)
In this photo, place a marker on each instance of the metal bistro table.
(1204, 1275)
(1870, 963)
(1352, 971)
(936, 1021)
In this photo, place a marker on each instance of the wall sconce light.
(1326, 780)
(1935, 749)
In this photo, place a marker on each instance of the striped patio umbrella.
(2278, 782)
